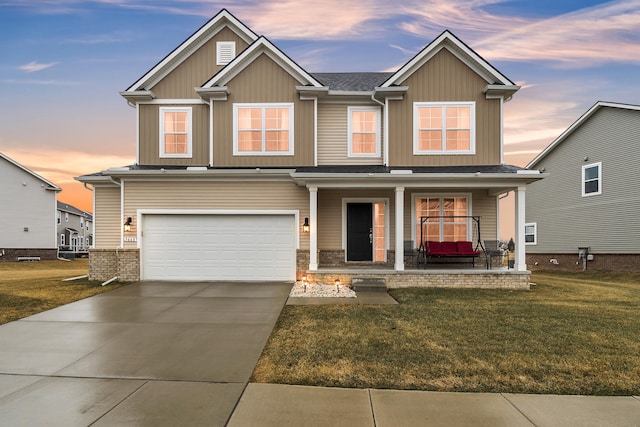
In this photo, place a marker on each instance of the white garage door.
(218, 247)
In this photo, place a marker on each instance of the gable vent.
(225, 52)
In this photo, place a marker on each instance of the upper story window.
(66, 217)
(592, 179)
(58, 217)
(263, 129)
(530, 233)
(225, 52)
(81, 222)
(364, 131)
(444, 128)
(175, 131)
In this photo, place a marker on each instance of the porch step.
(369, 284)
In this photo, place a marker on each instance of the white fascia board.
(32, 173)
(137, 96)
(564, 135)
(460, 50)
(196, 40)
(262, 45)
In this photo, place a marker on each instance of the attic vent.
(225, 52)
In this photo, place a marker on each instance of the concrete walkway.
(168, 354)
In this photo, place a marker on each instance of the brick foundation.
(570, 262)
(432, 279)
(105, 264)
(12, 254)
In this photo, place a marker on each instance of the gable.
(11, 168)
(197, 68)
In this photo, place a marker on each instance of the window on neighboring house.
(263, 129)
(225, 52)
(87, 226)
(447, 218)
(81, 222)
(62, 240)
(444, 128)
(530, 233)
(58, 217)
(364, 131)
(175, 132)
(592, 179)
(66, 217)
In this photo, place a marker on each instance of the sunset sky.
(64, 61)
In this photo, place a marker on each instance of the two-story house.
(74, 229)
(251, 168)
(585, 214)
(27, 213)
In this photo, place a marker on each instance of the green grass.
(28, 288)
(570, 334)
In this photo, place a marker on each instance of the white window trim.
(223, 46)
(163, 110)
(584, 168)
(237, 152)
(62, 240)
(59, 218)
(472, 132)
(66, 217)
(416, 196)
(535, 233)
(376, 110)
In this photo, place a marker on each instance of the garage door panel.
(218, 247)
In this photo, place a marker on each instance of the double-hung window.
(364, 131)
(263, 129)
(175, 132)
(530, 233)
(444, 128)
(592, 179)
(442, 218)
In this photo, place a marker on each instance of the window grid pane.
(263, 129)
(442, 226)
(176, 132)
(364, 131)
(444, 128)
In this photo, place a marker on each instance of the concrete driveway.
(153, 353)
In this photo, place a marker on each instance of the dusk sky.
(64, 62)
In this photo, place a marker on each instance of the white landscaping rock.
(320, 290)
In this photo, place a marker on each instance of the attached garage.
(244, 247)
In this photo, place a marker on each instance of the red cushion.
(449, 248)
(434, 248)
(466, 248)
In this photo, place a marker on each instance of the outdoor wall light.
(306, 226)
(127, 224)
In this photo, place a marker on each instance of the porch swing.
(432, 248)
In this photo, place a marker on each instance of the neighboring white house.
(27, 213)
(75, 230)
(586, 214)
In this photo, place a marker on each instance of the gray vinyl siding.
(607, 223)
(333, 138)
(25, 203)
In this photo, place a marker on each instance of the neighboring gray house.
(591, 199)
(27, 213)
(75, 229)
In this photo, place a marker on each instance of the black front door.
(359, 232)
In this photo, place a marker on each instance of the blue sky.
(64, 61)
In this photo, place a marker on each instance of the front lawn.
(570, 334)
(27, 288)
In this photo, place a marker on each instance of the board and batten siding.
(196, 70)
(149, 140)
(333, 138)
(444, 78)
(263, 81)
(107, 221)
(608, 223)
(216, 195)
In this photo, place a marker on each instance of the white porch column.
(520, 256)
(399, 229)
(313, 229)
